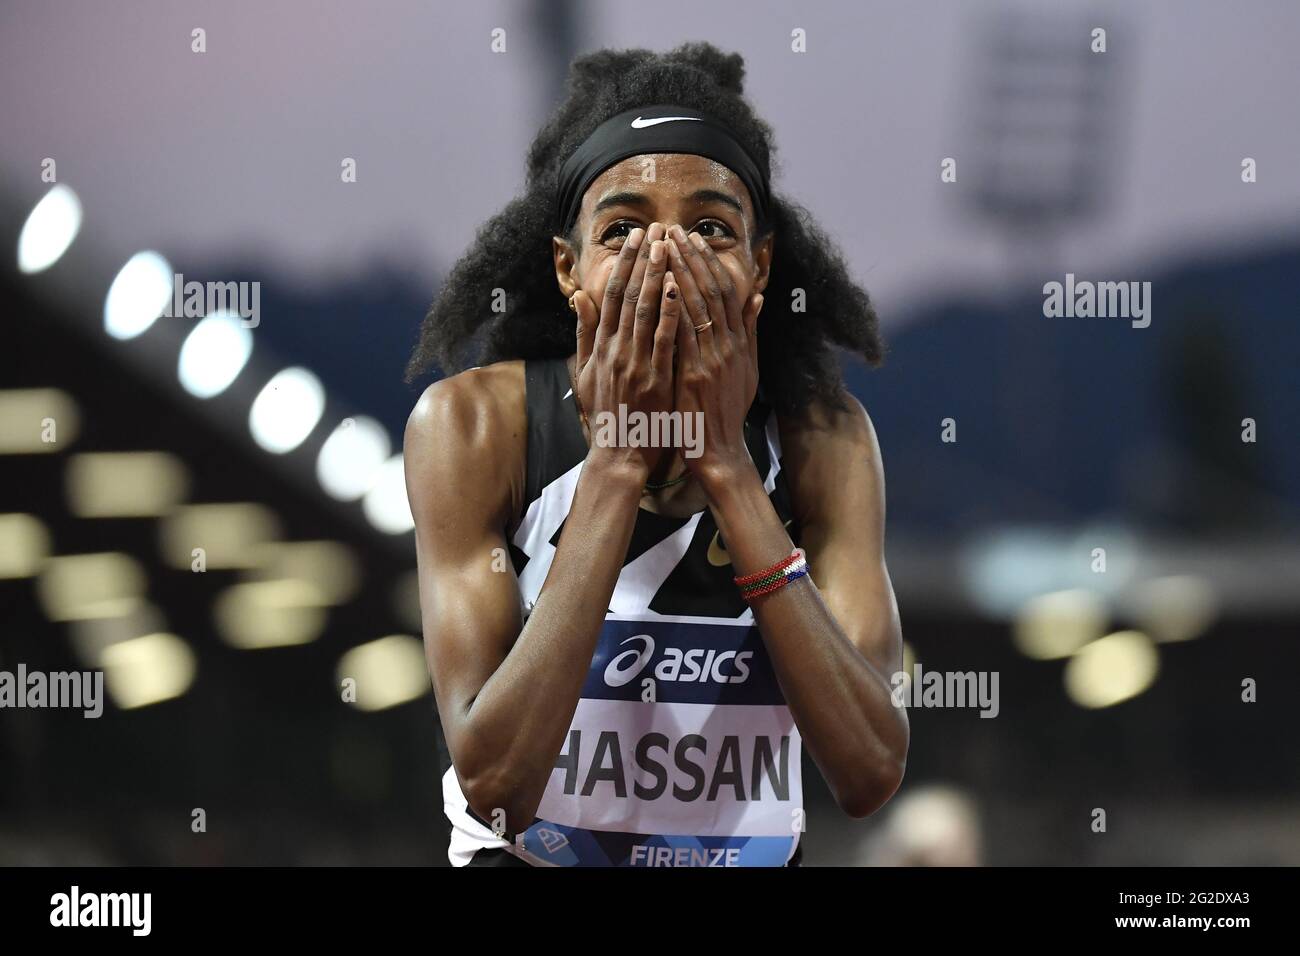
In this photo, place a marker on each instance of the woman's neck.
(669, 490)
(682, 498)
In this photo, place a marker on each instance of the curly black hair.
(798, 364)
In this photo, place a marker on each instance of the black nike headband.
(655, 129)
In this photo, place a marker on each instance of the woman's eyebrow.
(713, 195)
(700, 197)
(621, 199)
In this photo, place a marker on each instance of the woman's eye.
(713, 229)
(619, 230)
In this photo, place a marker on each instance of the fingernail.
(657, 251)
(678, 233)
(697, 239)
(635, 236)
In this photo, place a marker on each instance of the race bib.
(682, 752)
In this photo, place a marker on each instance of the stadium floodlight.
(286, 410)
(49, 230)
(138, 295)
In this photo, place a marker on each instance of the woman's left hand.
(717, 367)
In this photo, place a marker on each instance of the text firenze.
(1103, 300)
(740, 774)
(643, 855)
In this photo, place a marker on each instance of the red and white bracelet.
(774, 578)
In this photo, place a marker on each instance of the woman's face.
(694, 192)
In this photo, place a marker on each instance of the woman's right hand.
(625, 351)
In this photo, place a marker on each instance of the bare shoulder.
(826, 429)
(832, 455)
(467, 435)
(472, 405)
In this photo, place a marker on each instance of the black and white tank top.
(682, 751)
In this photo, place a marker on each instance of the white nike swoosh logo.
(640, 123)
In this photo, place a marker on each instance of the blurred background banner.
(222, 223)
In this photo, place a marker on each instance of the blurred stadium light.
(1047, 112)
(100, 407)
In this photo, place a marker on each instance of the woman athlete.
(630, 643)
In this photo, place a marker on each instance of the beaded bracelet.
(774, 578)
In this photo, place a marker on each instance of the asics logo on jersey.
(627, 665)
(697, 664)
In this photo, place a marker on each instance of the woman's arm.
(507, 694)
(506, 691)
(834, 635)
